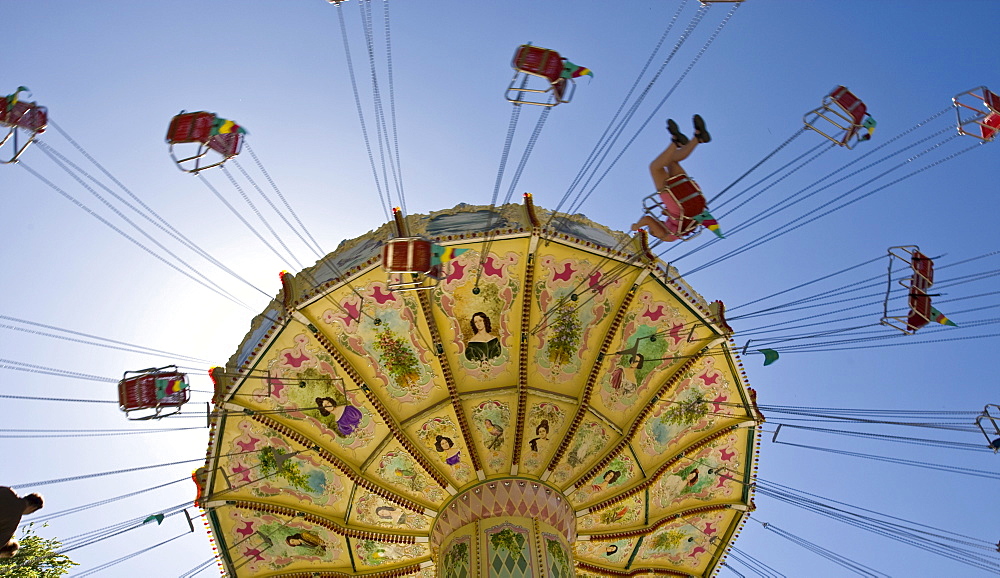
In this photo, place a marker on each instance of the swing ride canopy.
(528, 397)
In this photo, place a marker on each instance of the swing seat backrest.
(407, 255)
(990, 125)
(682, 198)
(139, 392)
(538, 61)
(991, 100)
(920, 309)
(191, 127)
(228, 145)
(26, 115)
(923, 270)
(852, 105)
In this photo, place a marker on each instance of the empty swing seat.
(840, 118)
(157, 389)
(540, 62)
(978, 113)
(917, 284)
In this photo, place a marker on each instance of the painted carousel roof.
(556, 353)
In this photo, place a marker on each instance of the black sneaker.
(699, 130)
(679, 139)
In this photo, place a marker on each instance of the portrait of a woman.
(483, 345)
(346, 417)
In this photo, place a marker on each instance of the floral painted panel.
(492, 420)
(564, 334)
(618, 474)
(383, 329)
(303, 382)
(557, 559)
(402, 473)
(590, 440)
(478, 310)
(441, 437)
(264, 465)
(457, 560)
(544, 426)
(714, 472)
(612, 553)
(373, 510)
(653, 336)
(695, 407)
(686, 543)
(508, 551)
(373, 553)
(626, 513)
(265, 542)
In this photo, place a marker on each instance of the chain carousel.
(538, 401)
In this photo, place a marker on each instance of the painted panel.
(400, 472)
(508, 551)
(377, 513)
(263, 542)
(492, 421)
(613, 553)
(695, 408)
(623, 514)
(592, 438)
(300, 385)
(261, 464)
(369, 554)
(714, 473)
(481, 322)
(441, 441)
(620, 473)
(686, 544)
(383, 335)
(545, 423)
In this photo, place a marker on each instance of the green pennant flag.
(157, 517)
(770, 356)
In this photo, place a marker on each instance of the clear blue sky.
(113, 74)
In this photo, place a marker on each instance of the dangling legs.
(656, 228)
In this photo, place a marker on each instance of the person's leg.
(656, 228)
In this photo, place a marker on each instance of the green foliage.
(557, 553)
(565, 340)
(669, 540)
(458, 554)
(397, 358)
(685, 412)
(290, 471)
(509, 540)
(37, 558)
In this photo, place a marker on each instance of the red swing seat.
(411, 256)
(676, 205)
(23, 116)
(843, 115)
(919, 301)
(157, 389)
(197, 128)
(978, 112)
(535, 61)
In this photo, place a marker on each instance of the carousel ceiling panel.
(374, 512)
(574, 301)
(584, 449)
(492, 422)
(546, 422)
(300, 385)
(478, 316)
(617, 475)
(440, 438)
(657, 334)
(714, 473)
(264, 543)
(383, 336)
(706, 396)
(395, 468)
(692, 543)
(258, 462)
